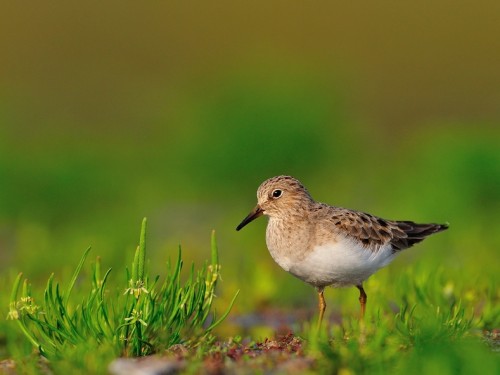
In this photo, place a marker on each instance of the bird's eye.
(277, 193)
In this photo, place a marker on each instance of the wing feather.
(374, 232)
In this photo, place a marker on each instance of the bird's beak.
(256, 212)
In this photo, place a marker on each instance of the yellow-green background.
(111, 111)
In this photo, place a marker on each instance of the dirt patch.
(278, 355)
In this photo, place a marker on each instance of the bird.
(325, 245)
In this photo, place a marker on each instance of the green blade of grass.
(75, 276)
(142, 250)
(226, 313)
(15, 288)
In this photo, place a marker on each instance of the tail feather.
(411, 233)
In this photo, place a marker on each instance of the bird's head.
(278, 197)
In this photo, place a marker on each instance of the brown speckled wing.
(374, 232)
(414, 233)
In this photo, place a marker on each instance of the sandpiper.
(325, 245)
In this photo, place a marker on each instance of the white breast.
(340, 263)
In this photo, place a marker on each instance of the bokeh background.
(177, 111)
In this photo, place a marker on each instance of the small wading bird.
(325, 245)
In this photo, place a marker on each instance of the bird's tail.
(415, 233)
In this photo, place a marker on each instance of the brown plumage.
(326, 245)
(374, 231)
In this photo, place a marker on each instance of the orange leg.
(362, 299)
(321, 306)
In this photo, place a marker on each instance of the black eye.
(277, 193)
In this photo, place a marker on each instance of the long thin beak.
(256, 212)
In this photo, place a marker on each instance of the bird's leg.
(362, 299)
(321, 306)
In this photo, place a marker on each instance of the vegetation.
(142, 317)
(440, 326)
(194, 165)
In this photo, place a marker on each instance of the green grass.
(419, 339)
(436, 309)
(413, 342)
(440, 323)
(141, 317)
(434, 330)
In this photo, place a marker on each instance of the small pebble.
(144, 366)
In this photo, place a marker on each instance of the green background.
(178, 111)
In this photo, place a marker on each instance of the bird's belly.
(340, 263)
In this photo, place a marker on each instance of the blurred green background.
(178, 110)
